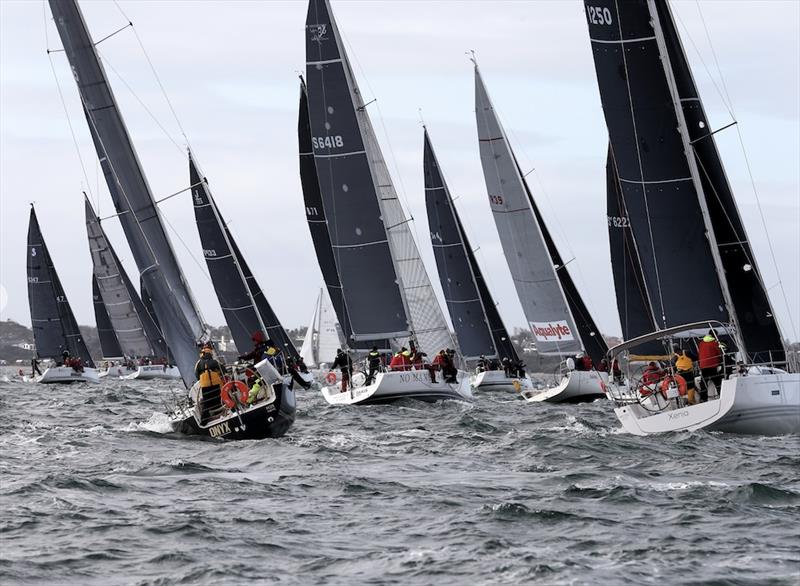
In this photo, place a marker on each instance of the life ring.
(331, 378)
(228, 387)
(677, 379)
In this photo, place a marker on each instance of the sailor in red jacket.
(401, 360)
(709, 359)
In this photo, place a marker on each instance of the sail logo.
(319, 32)
(435, 236)
(552, 331)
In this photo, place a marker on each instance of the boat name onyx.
(220, 429)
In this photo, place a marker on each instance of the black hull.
(580, 399)
(269, 420)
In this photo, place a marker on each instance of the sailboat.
(323, 336)
(142, 351)
(384, 285)
(55, 330)
(480, 331)
(173, 304)
(691, 269)
(244, 305)
(558, 318)
(113, 359)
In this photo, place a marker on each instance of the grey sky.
(230, 70)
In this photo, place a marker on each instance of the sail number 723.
(327, 142)
(598, 15)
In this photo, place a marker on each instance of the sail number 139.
(598, 15)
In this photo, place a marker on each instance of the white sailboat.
(323, 336)
(666, 178)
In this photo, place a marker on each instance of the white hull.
(496, 380)
(576, 386)
(154, 371)
(116, 372)
(393, 386)
(759, 404)
(65, 374)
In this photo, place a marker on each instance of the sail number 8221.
(327, 142)
(598, 15)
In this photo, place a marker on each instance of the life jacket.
(684, 363)
(209, 377)
(272, 351)
(709, 354)
(374, 358)
(651, 375)
(399, 362)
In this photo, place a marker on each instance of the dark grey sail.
(635, 314)
(243, 303)
(54, 327)
(144, 305)
(452, 251)
(172, 301)
(358, 235)
(109, 345)
(315, 216)
(656, 179)
(754, 316)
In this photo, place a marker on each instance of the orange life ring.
(331, 378)
(677, 379)
(228, 387)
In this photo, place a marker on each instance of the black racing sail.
(54, 327)
(315, 216)
(144, 305)
(754, 316)
(466, 301)
(243, 303)
(109, 345)
(635, 314)
(695, 256)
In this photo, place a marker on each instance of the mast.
(521, 234)
(456, 274)
(152, 250)
(53, 323)
(367, 225)
(109, 345)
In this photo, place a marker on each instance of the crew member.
(483, 364)
(449, 370)
(209, 375)
(603, 366)
(684, 366)
(651, 375)
(345, 364)
(709, 359)
(401, 360)
(259, 350)
(373, 364)
(35, 367)
(294, 371)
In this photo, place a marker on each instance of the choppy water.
(502, 492)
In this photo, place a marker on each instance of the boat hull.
(154, 372)
(116, 371)
(577, 386)
(395, 386)
(496, 380)
(760, 404)
(65, 375)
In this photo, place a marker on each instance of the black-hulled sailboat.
(173, 305)
(143, 352)
(692, 260)
(387, 297)
(482, 336)
(558, 318)
(55, 331)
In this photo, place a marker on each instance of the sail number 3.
(598, 15)
(327, 142)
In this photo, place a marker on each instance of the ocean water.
(93, 490)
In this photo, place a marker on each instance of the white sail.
(324, 336)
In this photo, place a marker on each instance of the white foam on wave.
(157, 423)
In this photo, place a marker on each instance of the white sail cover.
(324, 336)
(528, 259)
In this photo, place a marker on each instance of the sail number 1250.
(598, 15)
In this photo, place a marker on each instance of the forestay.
(54, 327)
(526, 253)
(172, 301)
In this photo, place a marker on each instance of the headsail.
(172, 301)
(537, 284)
(455, 263)
(323, 335)
(120, 309)
(384, 282)
(54, 327)
(244, 305)
(109, 345)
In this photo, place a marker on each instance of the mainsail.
(109, 345)
(385, 286)
(323, 335)
(172, 301)
(113, 286)
(696, 259)
(243, 303)
(456, 264)
(552, 305)
(54, 327)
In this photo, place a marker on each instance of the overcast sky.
(230, 70)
